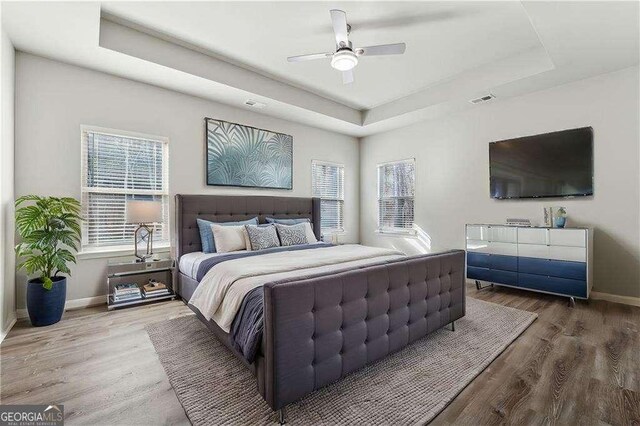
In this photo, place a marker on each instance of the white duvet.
(221, 291)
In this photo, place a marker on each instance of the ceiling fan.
(345, 58)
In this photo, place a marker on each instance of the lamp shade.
(144, 211)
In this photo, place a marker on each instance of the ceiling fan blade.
(347, 77)
(302, 58)
(383, 49)
(339, 21)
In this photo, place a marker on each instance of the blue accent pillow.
(206, 234)
(288, 221)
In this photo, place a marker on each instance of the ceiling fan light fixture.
(344, 60)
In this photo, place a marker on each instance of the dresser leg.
(480, 287)
(282, 416)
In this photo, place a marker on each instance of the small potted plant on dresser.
(49, 230)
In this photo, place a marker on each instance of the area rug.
(409, 387)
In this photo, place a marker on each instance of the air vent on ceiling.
(254, 104)
(482, 99)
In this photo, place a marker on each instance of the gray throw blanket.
(247, 326)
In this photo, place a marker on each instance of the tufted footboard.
(319, 329)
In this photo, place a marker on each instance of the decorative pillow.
(229, 238)
(262, 237)
(311, 237)
(292, 235)
(288, 221)
(247, 241)
(246, 234)
(206, 234)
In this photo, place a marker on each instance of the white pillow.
(229, 238)
(247, 240)
(311, 237)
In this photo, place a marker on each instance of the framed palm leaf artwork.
(239, 155)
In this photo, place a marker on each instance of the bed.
(323, 320)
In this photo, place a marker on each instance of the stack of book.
(154, 289)
(126, 292)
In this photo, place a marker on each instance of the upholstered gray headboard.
(229, 208)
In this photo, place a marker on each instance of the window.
(328, 185)
(116, 167)
(396, 190)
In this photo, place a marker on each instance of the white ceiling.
(443, 39)
(237, 50)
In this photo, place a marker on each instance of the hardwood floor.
(572, 366)
(101, 365)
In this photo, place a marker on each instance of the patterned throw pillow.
(292, 235)
(311, 237)
(262, 237)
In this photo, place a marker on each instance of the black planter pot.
(46, 306)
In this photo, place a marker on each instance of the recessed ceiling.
(232, 51)
(443, 39)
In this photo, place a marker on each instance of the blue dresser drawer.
(554, 268)
(492, 275)
(553, 284)
(480, 260)
(493, 261)
(504, 263)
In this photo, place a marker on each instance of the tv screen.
(558, 164)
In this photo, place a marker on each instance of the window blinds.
(328, 185)
(396, 191)
(117, 168)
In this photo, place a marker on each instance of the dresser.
(547, 260)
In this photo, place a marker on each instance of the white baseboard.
(3, 333)
(625, 300)
(86, 302)
(73, 304)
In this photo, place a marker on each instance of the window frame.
(392, 230)
(330, 231)
(87, 252)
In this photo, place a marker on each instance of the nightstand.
(139, 273)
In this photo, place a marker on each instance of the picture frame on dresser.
(541, 259)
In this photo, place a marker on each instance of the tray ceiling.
(233, 51)
(443, 39)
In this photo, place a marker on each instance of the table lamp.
(143, 213)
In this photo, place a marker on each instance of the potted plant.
(560, 217)
(49, 229)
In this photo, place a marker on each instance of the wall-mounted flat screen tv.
(558, 164)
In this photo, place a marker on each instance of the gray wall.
(452, 181)
(54, 99)
(7, 257)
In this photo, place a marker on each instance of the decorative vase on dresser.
(547, 260)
